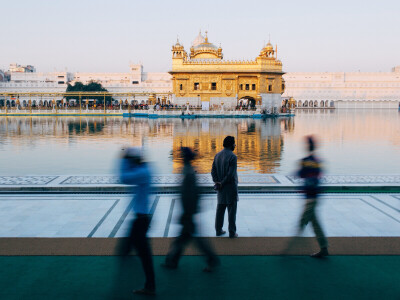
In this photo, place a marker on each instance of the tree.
(91, 87)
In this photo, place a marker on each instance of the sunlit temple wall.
(204, 78)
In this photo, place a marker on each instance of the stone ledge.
(223, 246)
(170, 183)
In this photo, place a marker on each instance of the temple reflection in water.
(259, 142)
(90, 145)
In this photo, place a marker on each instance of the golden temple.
(203, 78)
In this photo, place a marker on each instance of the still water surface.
(351, 142)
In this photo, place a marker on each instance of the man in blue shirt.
(135, 171)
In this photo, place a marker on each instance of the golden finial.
(206, 38)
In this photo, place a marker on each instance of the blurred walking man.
(190, 202)
(310, 170)
(135, 171)
(224, 175)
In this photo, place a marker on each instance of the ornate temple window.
(253, 87)
(247, 87)
(181, 87)
(196, 86)
(270, 88)
(213, 86)
(241, 87)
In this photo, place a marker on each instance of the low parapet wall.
(170, 183)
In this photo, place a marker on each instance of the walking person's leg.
(307, 214)
(232, 208)
(177, 247)
(304, 220)
(319, 233)
(142, 246)
(205, 247)
(219, 219)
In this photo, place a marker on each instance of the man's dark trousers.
(219, 217)
(138, 240)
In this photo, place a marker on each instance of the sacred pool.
(351, 142)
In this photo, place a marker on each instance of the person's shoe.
(145, 291)
(233, 236)
(222, 232)
(322, 253)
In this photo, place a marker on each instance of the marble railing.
(203, 179)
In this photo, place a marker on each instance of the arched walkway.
(315, 103)
(322, 103)
(247, 101)
(326, 103)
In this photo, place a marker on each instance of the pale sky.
(105, 36)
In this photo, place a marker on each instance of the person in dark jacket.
(134, 171)
(310, 170)
(190, 202)
(224, 175)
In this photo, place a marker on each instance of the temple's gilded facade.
(204, 78)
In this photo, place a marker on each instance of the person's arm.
(131, 175)
(231, 171)
(214, 172)
(300, 172)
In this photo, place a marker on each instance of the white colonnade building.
(309, 89)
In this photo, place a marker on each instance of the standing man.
(310, 170)
(135, 171)
(190, 197)
(224, 175)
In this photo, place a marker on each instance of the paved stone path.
(264, 215)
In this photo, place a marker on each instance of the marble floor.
(264, 215)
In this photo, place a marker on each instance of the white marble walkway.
(265, 215)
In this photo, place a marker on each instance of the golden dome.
(269, 46)
(198, 40)
(204, 49)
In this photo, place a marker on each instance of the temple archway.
(247, 101)
(322, 103)
(315, 103)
